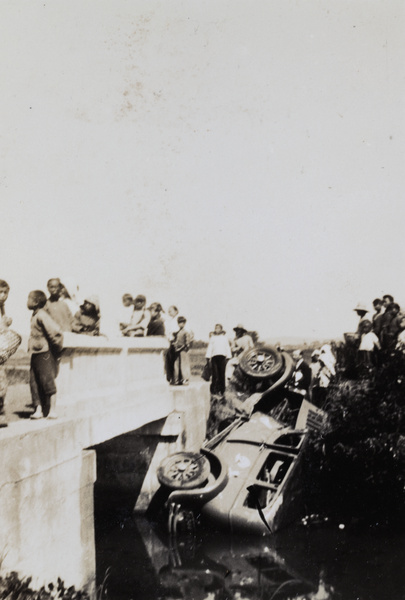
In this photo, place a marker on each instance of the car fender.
(202, 495)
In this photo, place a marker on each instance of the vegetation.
(13, 587)
(356, 465)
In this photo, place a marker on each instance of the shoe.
(3, 422)
(37, 414)
(52, 416)
(185, 382)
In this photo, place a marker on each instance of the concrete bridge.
(106, 388)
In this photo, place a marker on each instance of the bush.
(13, 587)
(356, 464)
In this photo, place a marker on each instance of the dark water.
(298, 563)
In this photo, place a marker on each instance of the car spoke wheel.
(261, 362)
(184, 470)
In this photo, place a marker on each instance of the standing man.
(171, 328)
(378, 316)
(302, 373)
(363, 314)
(218, 352)
(182, 342)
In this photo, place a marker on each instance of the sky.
(242, 160)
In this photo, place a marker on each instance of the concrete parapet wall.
(94, 365)
(105, 389)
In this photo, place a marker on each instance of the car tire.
(183, 471)
(261, 362)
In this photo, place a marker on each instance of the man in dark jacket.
(302, 373)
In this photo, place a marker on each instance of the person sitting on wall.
(69, 294)
(156, 324)
(139, 320)
(126, 312)
(87, 319)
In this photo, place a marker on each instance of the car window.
(272, 474)
(293, 440)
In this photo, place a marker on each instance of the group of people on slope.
(384, 329)
(223, 356)
(313, 380)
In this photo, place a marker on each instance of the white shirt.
(369, 341)
(218, 346)
(126, 314)
(171, 327)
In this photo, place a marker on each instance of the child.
(369, 343)
(181, 347)
(87, 319)
(45, 345)
(126, 313)
(139, 320)
(57, 308)
(5, 322)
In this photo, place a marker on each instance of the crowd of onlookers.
(383, 330)
(62, 311)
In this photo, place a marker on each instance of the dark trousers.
(43, 371)
(218, 364)
(170, 357)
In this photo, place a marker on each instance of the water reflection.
(144, 564)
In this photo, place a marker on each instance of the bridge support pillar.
(47, 523)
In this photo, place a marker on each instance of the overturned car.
(247, 478)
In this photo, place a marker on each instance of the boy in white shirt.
(369, 343)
